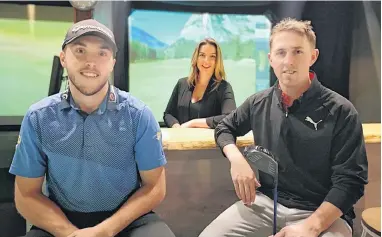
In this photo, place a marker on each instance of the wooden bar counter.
(200, 138)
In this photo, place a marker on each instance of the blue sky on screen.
(168, 27)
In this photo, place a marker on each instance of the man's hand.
(177, 125)
(301, 229)
(90, 232)
(244, 180)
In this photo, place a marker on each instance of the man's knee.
(339, 228)
(240, 220)
(210, 231)
(214, 231)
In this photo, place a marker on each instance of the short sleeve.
(29, 159)
(148, 147)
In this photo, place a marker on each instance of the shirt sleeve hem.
(161, 162)
(21, 173)
(340, 199)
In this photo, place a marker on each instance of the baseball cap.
(89, 27)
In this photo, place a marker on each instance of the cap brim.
(93, 33)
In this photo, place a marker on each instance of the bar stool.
(371, 222)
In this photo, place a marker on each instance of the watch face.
(83, 5)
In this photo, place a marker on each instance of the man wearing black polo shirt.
(317, 137)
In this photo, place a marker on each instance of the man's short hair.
(303, 28)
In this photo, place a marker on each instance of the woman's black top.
(214, 105)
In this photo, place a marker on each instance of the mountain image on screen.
(161, 44)
(240, 36)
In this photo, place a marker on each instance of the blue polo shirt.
(91, 162)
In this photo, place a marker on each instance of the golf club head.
(262, 159)
(259, 158)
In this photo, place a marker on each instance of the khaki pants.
(145, 226)
(257, 220)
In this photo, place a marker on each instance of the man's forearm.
(43, 213)
(323, 217)
(140, 203)
(232, 152)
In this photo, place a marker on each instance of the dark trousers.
(147, 225)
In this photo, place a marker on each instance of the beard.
(83, 89)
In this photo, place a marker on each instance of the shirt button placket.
(87, 139)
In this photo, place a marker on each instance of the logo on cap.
(85, 27)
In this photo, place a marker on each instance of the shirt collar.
(110, 101)
(313, 88)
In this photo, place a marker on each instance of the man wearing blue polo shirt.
(99, 148)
